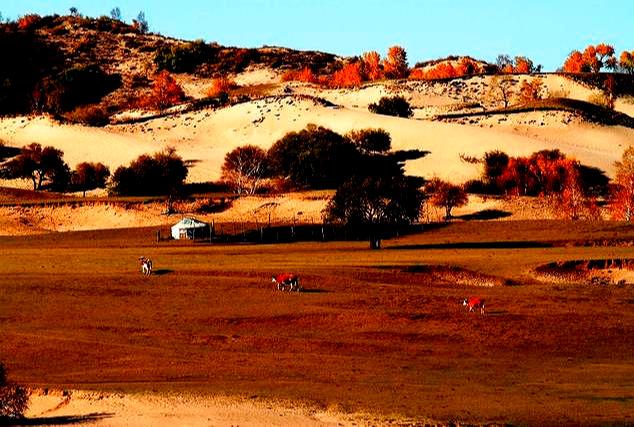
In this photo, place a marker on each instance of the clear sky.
(544, 30)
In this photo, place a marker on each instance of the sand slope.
(204, 137)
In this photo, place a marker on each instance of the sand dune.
(204, 137)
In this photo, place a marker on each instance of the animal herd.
(290, 282)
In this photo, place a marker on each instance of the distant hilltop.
(68, 62)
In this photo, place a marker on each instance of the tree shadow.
(478, 245)
(61, 420)
(162, 272)
(485, 214)
(314, 291)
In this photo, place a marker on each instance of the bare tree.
(501, 90)
(245, 168)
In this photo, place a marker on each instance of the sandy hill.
(454, 117)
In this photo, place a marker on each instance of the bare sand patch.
(168, 409)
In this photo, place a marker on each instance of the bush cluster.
(392, 106)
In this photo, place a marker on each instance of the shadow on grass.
(478, 245)
(61, 420)
(485, 214)
(162, 272)
(314, 291)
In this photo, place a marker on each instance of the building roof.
(190, 223)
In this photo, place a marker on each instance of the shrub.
(73, 87)
(221, 86)
(90, 115)
(304, 75)
(531, 90)
(28, 22)
(182, 58)
(165, 92)
(392, 106)
(370, 141)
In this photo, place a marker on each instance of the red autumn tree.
(531, 90)
(305, 75)
(371, 66)
(395, 65)
(573, 202)
(622, 197)
(27, 21)
(165, 92)
(446, 195)
(220, 86)
(626, 61)
(593, 59)
(348, 76)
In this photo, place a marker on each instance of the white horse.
(146, 265)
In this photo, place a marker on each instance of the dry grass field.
(380, 331)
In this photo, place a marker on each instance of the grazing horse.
(146, 265)
(474, 303)
(287, 280)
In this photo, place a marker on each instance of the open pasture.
(374, 330)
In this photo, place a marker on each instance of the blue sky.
(544, 30)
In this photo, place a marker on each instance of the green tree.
(115, 13)
(375, 203)
(40, 165)
(88, 176)
(140, 23)
(314, 157)
(163, 173)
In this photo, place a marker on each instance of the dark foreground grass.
(370, 332)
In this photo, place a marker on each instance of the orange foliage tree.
(27, 21)
(531, 90)
(626, 61)
(305, 75)
(371, 66)
(446, 195)
(348, 76)
(220, 86)
(395, 65)
(520, 65)
(622, 195)
(165, 92)
(592, 59)
(573, 202)
(447, 70)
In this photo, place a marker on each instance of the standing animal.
(286, 280)
(474, 303)
(146, 265)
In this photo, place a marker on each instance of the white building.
(191, 228)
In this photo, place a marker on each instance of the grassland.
(369, 332)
